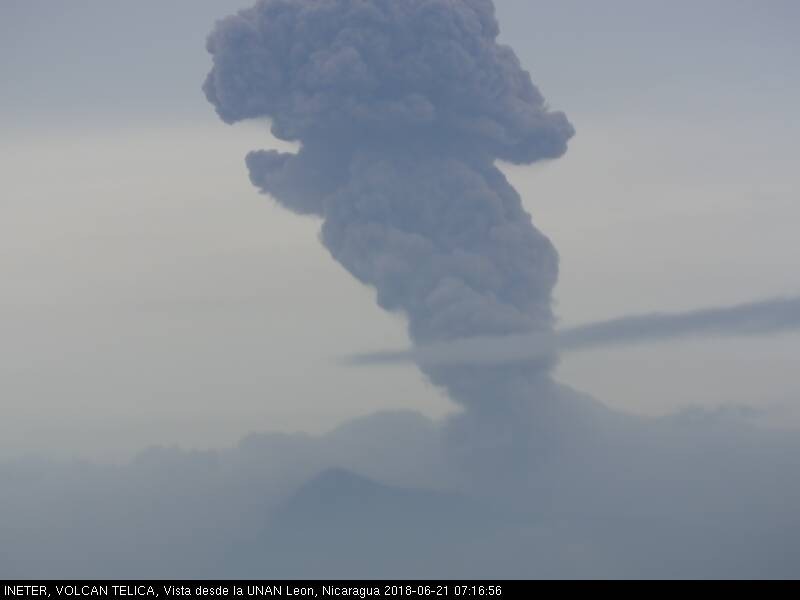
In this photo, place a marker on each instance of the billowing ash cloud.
(773, 316)
(401, 110)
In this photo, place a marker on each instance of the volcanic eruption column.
(401, 109)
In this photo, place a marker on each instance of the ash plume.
(401, 110)
(766, 317)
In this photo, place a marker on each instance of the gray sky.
(146, 294)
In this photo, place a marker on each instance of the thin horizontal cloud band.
(765, 317)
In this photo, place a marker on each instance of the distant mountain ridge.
(341, 524)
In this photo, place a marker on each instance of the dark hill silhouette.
(341, 524)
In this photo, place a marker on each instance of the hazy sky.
(150, 295)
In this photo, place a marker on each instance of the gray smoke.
(773, 316)
(401, 110)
